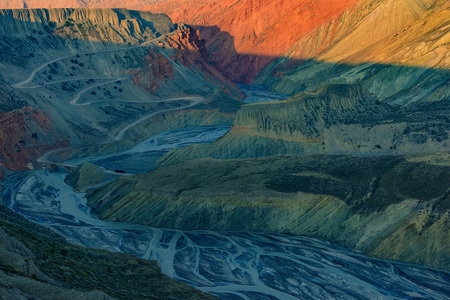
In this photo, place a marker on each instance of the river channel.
(231, 265)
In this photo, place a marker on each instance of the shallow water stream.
(231, 265)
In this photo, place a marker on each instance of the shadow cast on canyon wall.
(286, 75)
(223, 55)
(272, 71)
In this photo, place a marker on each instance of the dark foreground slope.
(36, 263)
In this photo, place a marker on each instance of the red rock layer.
(187, 49)
(244, 36)
(16, 147)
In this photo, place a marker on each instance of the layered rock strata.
(76, 77)
(335, 119)
(390, 207)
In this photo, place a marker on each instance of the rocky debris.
(363, 203)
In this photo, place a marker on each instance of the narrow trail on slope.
(39, 68)
(196, 100)
(65, 80)
(74, 102)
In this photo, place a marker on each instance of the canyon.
(105, 61)
(350, 142)
(84, 81)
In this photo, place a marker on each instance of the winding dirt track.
(194, 100)
(36, 70)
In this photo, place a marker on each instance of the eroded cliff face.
(335, 119)
(391, 207)
(244, 36)
(180, 65)
(26, 132)
(104, 25)
(241, 36)
(397, 49)
(80, 76)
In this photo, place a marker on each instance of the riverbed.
(231, 265)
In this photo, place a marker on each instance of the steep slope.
(392, 207)
(244, 36)
(87, 74)
(241, 36)
(397, 49)
(414, 33)
(25, 130)
(335, 119)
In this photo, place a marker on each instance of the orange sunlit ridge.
(352, 32)
(411, 33)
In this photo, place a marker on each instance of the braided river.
(230, 265)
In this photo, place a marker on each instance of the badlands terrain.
(348, 140)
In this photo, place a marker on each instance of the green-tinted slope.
(364, 203)
(37, 263)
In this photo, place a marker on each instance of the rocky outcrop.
(391, 207)
(181, 64)
(244, 36)
(92, 72)
(241, 36)
(336, 119)
(26, 134)
(36, 263)
(105, 25)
